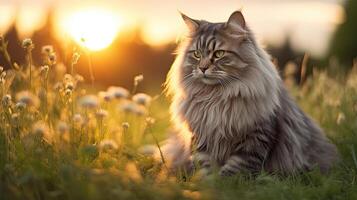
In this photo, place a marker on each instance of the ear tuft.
(236, 18)
(192, 24)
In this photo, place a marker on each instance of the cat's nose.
(203, 69)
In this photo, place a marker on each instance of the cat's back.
(300, 142)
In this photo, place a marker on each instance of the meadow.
(62, 137)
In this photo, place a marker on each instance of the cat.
(231, 109)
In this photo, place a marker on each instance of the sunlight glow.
(93, 28)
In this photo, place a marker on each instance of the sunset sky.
(309, 22)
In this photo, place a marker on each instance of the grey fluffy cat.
(231, 110)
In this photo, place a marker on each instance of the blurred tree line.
(344, 42)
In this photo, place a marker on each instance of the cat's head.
(221, 56)
(215, 54)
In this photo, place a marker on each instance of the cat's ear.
(192, 24)
(236, 23)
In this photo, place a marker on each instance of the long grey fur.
(237, 115)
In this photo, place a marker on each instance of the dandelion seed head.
(105, 96)
(128, 106)
(75, 58)
(138, 79)
(44, 69)
(142, 99)
(78, 119)
(118, 92)
(125, 125)
(27, 44)
(62, 127)
(40, 129)
(108, 145)
(150, 120)
(6, 100)
(89, 101)
(69, 86)
(68, 92)
(101, 114)
(28, 99)
(52, 58)
(140, 110)
(20, 106)
(47, 49)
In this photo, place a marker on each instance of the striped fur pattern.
(230, 105)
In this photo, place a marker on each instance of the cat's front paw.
(227, 171)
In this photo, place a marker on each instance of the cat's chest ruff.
(215, 118)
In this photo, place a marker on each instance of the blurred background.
(127, 38)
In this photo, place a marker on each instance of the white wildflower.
(125, 125)
(47, 49)
(101, 114)
(68, 92)
(140, 110)
(62, 127)
(6, 100)
(118, 92)
(104, 96)
(52, 58)
(20, 106)
(44, 70)
(78, 119)
(89, 101)
(108, 145)
(138, 79)
(128, 106)
(40, 129)
(142, 99)
(27, 44)
(150, 120)
(28, 99)
(69, 85)
(75, 58)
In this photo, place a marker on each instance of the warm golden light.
(93, 28)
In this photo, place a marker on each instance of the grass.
(59, 141)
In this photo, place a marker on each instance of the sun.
(93, 28)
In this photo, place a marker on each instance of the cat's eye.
(218, 54)
(197, 54)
